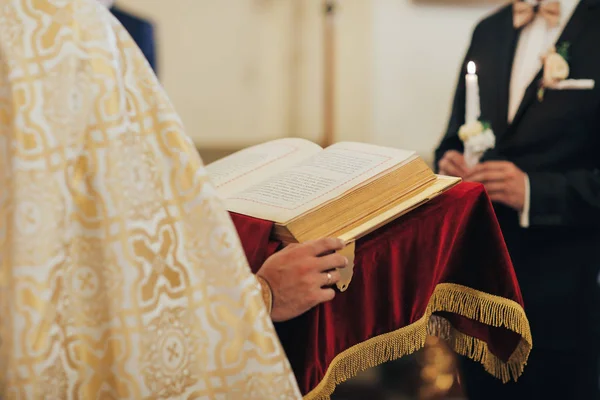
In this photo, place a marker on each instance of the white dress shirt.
(107, 3)
(535, 41)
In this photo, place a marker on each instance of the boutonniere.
(477, 138)
(556, 68)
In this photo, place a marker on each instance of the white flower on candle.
(477, 138)
(477, 145)
(470, 130)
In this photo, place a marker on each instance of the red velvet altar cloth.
(445, 259)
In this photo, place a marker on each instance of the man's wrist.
(266, 292)
(524, 214)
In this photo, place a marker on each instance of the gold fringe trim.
(470, 303)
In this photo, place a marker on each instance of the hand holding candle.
(476, 135)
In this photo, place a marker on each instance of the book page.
(314, 182)
(255, 164)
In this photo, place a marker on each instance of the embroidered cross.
(30, 216)
(86, 281)
(172, 349)
(224, 240)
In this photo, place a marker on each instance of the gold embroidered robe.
(121, 276)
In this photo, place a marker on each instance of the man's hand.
(298, 276)
(453, 164)
(503, 180)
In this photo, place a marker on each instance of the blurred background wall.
(418, 48)
(244, 71)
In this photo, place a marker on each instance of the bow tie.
(524, 13)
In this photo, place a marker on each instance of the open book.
(346, 190)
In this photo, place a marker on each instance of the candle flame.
(471, 68)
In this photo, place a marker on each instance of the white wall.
(225, 64)
(418, 49)
(355, 63)
(246, 71)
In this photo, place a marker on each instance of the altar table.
(442, 270)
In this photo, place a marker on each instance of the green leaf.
(563, 50)
(486, 125)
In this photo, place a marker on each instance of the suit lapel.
(581, 16)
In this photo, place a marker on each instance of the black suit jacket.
(141, 31)
(557, 143)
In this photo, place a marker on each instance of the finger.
(452, 154)
(487, 176)
(456, 159)
(492, 166)
(495, 187)
(449, 167)
(325, 281)
(332, 261)
(507, 200)
(457, 162)
(499, 197)
(325, 295)
(442, 166)
(291, 246)
(324, 246)
(455, 156)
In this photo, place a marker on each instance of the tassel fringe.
(479, 306)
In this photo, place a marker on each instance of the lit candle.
(473, 107)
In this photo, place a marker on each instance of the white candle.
(472, 106)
